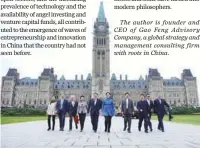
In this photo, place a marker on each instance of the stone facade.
(26, 91)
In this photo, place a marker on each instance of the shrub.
(22, 112)
(184, 110)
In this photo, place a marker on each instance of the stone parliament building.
(16, 91)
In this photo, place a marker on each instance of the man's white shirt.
(127, 103)
(73, 103)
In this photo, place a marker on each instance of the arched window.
(98, 53)
(100, 84)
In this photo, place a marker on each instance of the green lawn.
(188, 119)
(13, 119)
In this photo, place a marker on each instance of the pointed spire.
(101, 14)
(62, 78)
(141, 78)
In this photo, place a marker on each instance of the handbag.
(76, 119)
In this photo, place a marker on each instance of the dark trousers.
(71, 117)
(53, 121)
(94, 121)
(82, 119)
(127, 119)
(142, 117)
(160, 121)
(61, 116)
(170, 115)
(149, 121)
(107, 123)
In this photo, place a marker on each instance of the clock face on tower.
(101, 28)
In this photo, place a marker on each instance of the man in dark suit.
(62, 108)
(159, 108)
(127, 111)
(72, 110)
(151, 107)
(94, 106)
(143, 109)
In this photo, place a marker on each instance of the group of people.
(146, 106)
(77, 111)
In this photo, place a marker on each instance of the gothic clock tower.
(101, 55)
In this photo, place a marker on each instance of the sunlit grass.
(14, 119)
(190, 119)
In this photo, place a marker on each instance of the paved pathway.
(35, 135)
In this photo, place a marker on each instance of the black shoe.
(60, 129)
(81, 131)
(163, 130)
(105, 130)
(48, 129)
(108, 131)
(151, 129)
(125, 129)
(146, 131)
(139, 129)
(95, 131)
(52, 129)
(76, 126)
(129, 131)
(159, 128)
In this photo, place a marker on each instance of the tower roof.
(101, 14)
